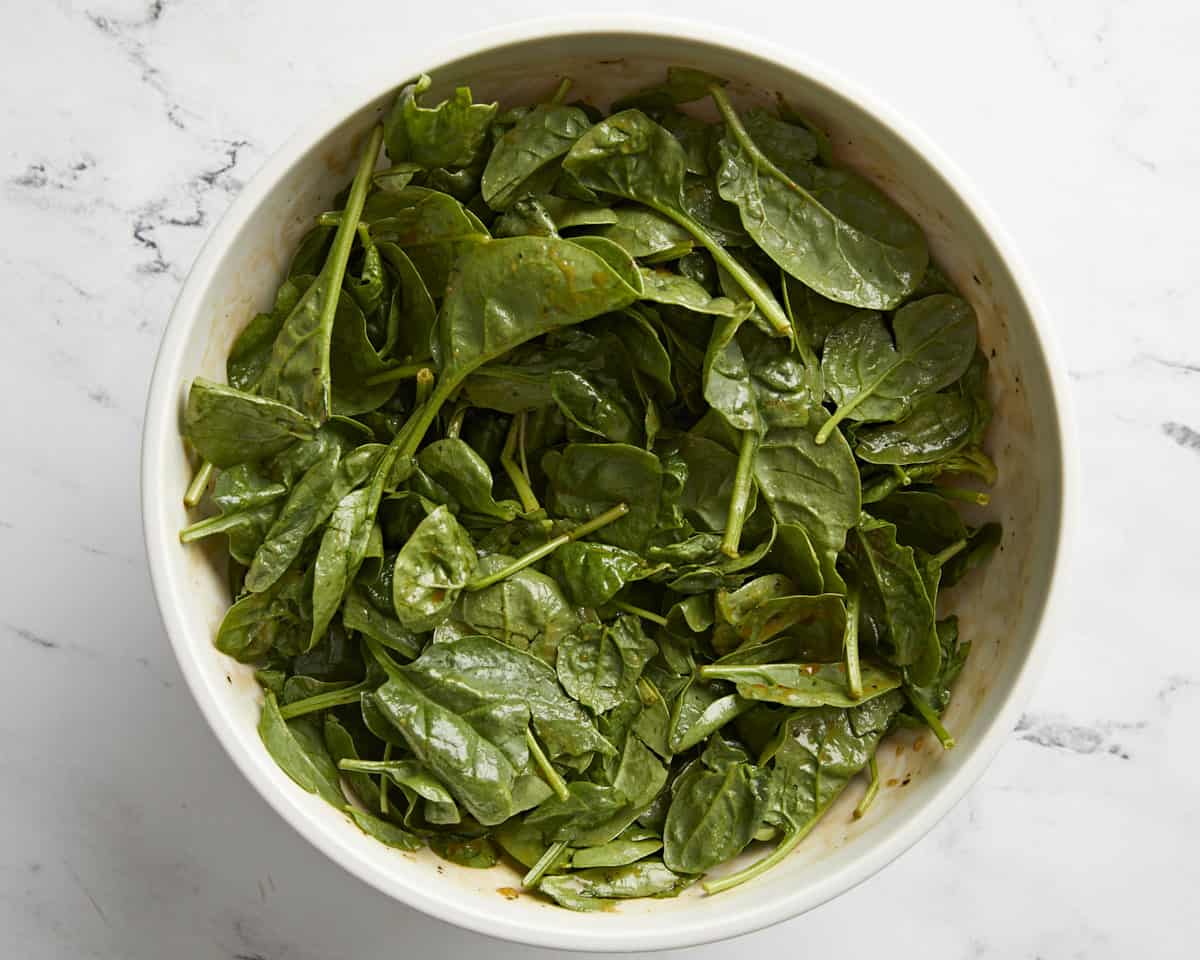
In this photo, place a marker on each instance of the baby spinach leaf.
(452, 134)
(892, 574)
(813, 485)
(871, 378)
(593, 573)
(802, 684)
(700, 710)
(647, 235)
(595, 407)
(832, 231)
(600, 664)
(615, 853)
(683, 85)
(354, 363)
(251, 351)
(430, 571)
(600, 888)
(526, 610)
(937, 425)
(589, 478)
(661, 286)
(258, 621)
(411, 321)
(299, 749)
(713, 815)
(384, 831)
(479, 853)
(228, 426)
(633, 157)
(541, 136)
(460, 470)
(362, 616)
(298, 371)
(922, 519)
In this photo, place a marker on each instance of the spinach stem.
(902, 475)
(932, 720)
(403, 372)
(198, 485)
(418, 423)
(942, 557)
(977, 497)
(323, 701)
(544, 863)
(598, 521)
(547, 548)
(549, 774)
(789, 843)
(210, 525)
(639, 612)
(454, 427)
(800, 336)
(425, 379)
(872, 789)
(762, 299)
(560, 94)
(738, 500)
(521, 421)
(384, 781)
(519, 477)
(853, 672)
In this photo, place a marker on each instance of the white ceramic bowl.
(1003, 611)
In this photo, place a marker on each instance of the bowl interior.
(999, 611)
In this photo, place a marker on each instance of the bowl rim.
(160, 431)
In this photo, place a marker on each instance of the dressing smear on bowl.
(589, 488)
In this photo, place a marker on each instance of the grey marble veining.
(129, 126)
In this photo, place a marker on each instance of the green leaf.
(683, 85)
(431, 570)
(385, 832)
(833, 231)
(600, 664)
(937, 425)
(615, 853)
(452, 134)
(298, 371)
(538, 138)
(871, 378)
(526, 610)
(892, 575)
(256, 623)
(589, 478)
(299, 749)
(457, 468)
(713, 815)
(228, 426)
(802, 684)
(592, 574)
(600, 888)
(364, 617)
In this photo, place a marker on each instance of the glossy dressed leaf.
(593, 573)
(452, 464)
(299, 749)
(342, 746)
(526, 610)
(870, 377)
(600, 664)
(648, 235)
(922, 519)
(475, 675)
(228, 426)
(258, 621)
(683, 85)
(478, 853)
(452, 134)
(615, 853)
(384, 831)
(251, 351)
(431, 570)
(362, 616)
(815, 486)
(713, 815)
(541, 136)
(893, 576)
(297, 372)
(413, 311)
(506, 292)
(702, 709)
(661, 286)
(598, 408)
(590, 478)
(600, 888)
(833, 231)
(803, 684)
(342, 547)
(936, 426)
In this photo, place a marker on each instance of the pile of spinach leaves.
(584, 488)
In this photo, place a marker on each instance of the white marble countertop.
(128, 126)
